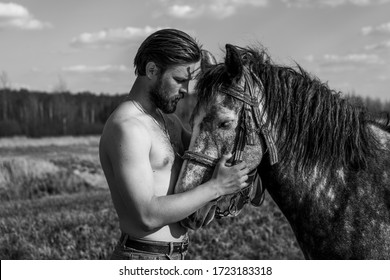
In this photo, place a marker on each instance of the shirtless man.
(139, 151)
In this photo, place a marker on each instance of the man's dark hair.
(166, 47)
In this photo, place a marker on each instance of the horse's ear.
(233, 61)
(207, 61)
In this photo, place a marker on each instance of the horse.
(323, 160)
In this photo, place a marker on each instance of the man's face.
(171, 87)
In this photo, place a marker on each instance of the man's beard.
(160, 97)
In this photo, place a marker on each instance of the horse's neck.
(289, 188)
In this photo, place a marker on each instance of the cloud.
(36, 70)
(214, 8)
(348, 62)
(309, 58)
(383, 28)
(348, 59)
(183, 11)
(383, 77)
(16, 16)
(351, 59)
(19, 86)
(111, 37)
(377, 47)
(103, 69)
(332, 3)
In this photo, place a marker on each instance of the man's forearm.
(170, 209)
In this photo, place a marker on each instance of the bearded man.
(139, 153)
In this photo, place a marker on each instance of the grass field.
(54, 204)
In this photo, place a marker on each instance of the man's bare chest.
(166, 147)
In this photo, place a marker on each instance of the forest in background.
(39, 114)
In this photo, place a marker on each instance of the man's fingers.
(225, 158)
(240, 165)
(244, 178)
(244, 171)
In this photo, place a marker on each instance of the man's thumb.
(225, 158)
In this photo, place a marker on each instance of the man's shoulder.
(126, 117)
(126, 128)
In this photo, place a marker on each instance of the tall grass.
(27, 178)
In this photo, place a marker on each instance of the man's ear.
(151, 69)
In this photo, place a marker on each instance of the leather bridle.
(250, 125)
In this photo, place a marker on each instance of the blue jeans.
(136, 249)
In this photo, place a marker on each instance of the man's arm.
(129, 155)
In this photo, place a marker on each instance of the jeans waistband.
(159, 247)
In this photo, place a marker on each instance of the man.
(139, 151)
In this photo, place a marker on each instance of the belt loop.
(170, 251)
(170, 248)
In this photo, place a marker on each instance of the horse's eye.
(226, 124)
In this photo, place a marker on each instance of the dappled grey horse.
(325, 162)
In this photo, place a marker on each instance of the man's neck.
(140, 94)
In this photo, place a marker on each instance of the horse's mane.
(319, 127)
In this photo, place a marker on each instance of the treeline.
(374, 106)
(37, 114)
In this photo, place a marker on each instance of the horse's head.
(225, 119)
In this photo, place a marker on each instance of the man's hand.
(229, 179)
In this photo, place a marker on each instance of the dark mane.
(320, 127)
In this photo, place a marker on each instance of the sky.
(89, 45)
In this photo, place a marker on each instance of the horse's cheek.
(206, 144)
(226, 140)
(253, 155)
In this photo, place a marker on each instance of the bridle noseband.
(241, 197)
(250, 125)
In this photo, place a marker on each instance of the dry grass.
(32, 168)
(20, 142)
(14, 169)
